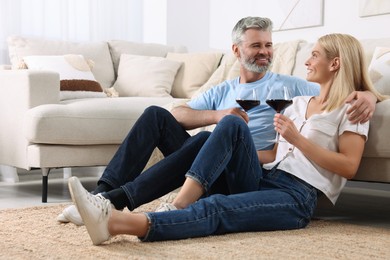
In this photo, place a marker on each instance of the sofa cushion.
(119, 47)
(195, 71)
(369, 46)
(228, 69)
(145, 76)
(285, 54)
(76, 78)
(379, 70)
(86, 121)
(103, 70)
(303, 53)
(378, 145)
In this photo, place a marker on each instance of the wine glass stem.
(277, 137)
(277, 133)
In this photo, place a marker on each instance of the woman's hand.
(285, 126)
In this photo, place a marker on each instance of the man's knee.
(232, 120)
(155, 112)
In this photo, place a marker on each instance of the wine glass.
(247, 99)
(279, 98)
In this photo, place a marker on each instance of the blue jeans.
(155, 128)
(259, 200)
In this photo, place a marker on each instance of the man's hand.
(363, 108)
(233, 111)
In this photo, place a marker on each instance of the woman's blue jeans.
(259, 200)
(155, 128)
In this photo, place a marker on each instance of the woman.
(323, 149)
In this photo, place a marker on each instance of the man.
(122, 182)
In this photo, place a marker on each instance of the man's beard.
(250, 64)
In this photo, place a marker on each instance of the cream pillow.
(119, 47)
(196, 70)
(76, 78)
(145, 76)
(379, 69)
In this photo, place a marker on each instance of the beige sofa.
(42, 130)
(39, 130)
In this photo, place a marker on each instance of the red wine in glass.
(279, 104)
(278, 98)
(247, 99)
(247, 104)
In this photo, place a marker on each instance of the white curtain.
(71, 20)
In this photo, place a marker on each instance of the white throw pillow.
(20, 47)
(145, 76)
(76, 78)
(379, 69)
(196, 70)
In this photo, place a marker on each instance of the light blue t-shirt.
(223, 96)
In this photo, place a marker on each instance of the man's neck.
(248, 76)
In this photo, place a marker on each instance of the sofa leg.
(45, 175)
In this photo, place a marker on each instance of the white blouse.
(323, 129)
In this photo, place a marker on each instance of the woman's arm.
(345, 162)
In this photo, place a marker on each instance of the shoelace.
(101, 203)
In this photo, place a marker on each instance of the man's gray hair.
(260, 23)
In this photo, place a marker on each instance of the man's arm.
(190, 118)
(363, 108)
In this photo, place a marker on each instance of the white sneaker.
(70, 214)
(165, 207)
(95, 210)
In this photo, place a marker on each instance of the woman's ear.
(335, 65)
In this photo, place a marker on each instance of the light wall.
(206, 24)
(154, 21)
(200, 25)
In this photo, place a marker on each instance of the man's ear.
(335, 65)
(236, 50)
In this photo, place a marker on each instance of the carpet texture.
(34, 233)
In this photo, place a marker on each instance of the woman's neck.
(322, 98)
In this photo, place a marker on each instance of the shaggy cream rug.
(34, 233)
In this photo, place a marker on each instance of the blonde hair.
(352, 74)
